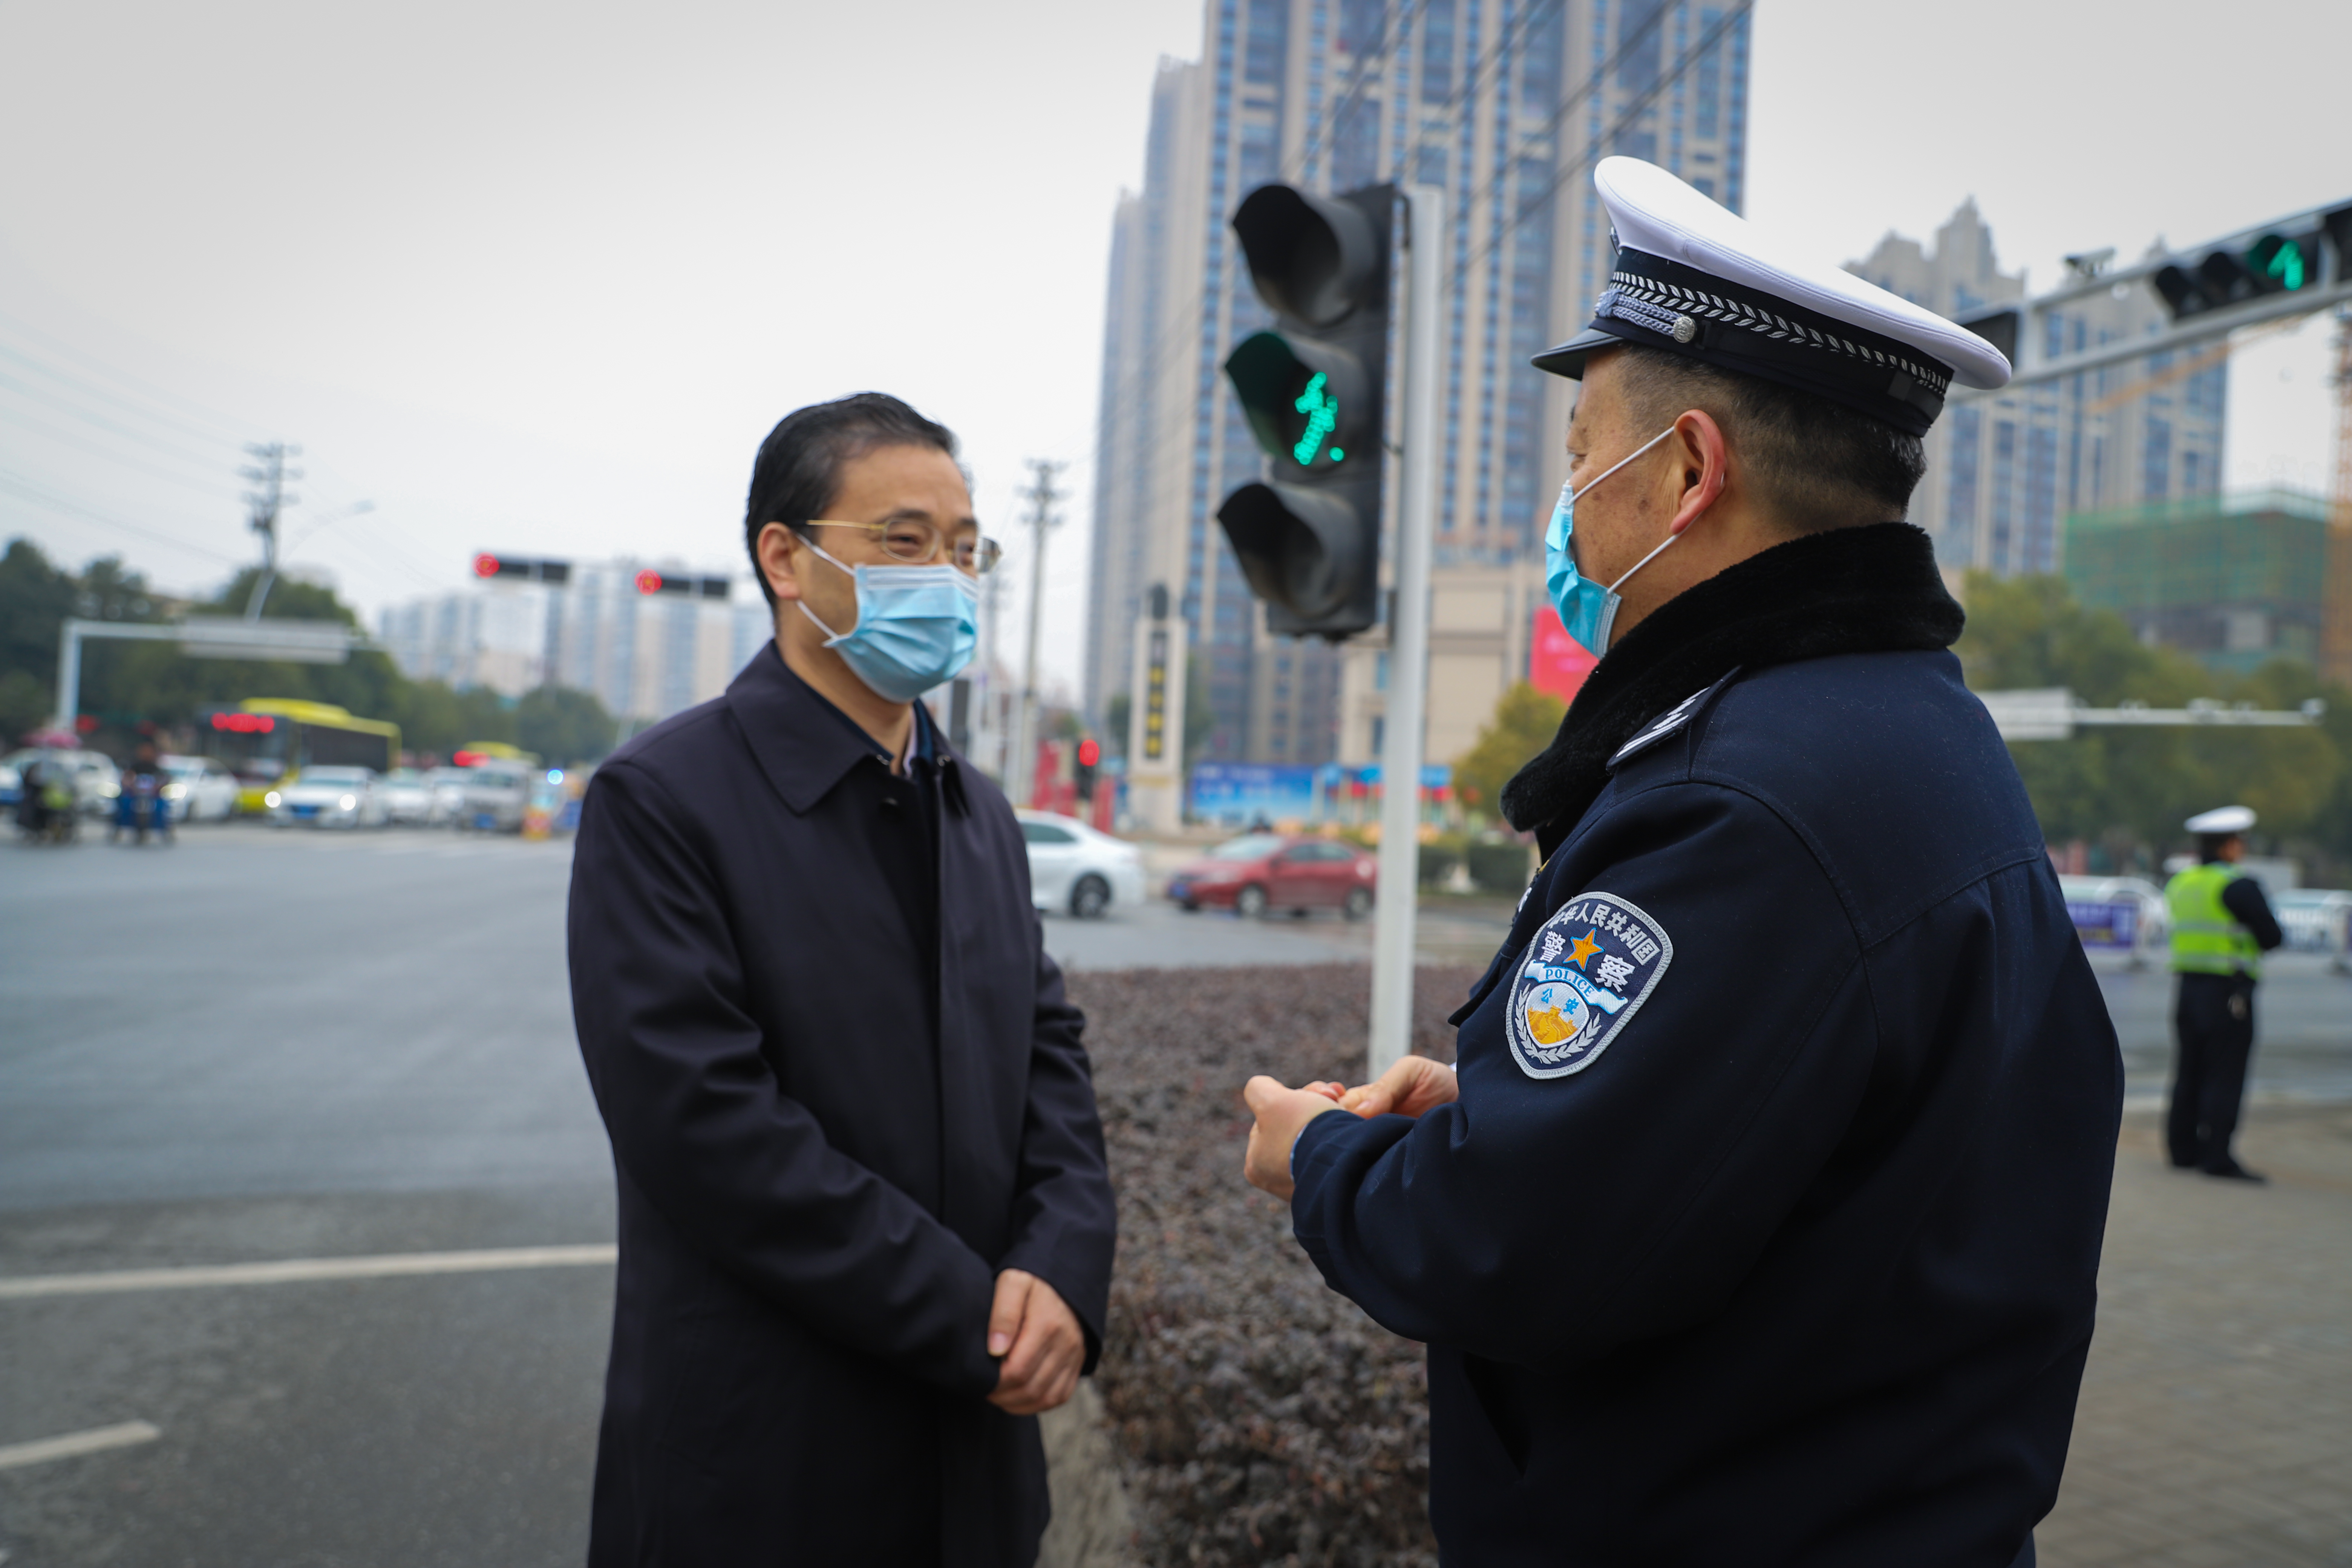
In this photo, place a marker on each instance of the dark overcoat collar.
(805, 746)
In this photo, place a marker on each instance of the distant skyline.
(538, 278)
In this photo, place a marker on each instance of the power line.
(226, 429)
(91, 389)
(1632, 112)
(50, 433)
(57, 404)
(26, 490)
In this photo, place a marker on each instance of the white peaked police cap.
(2221, 819)
(1694, 278)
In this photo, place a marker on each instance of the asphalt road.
(257, 1047)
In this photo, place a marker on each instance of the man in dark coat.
(1761, 1221)
(866, 1224)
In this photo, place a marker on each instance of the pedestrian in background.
(140, 803)
(865, 1223)
(2221, 926)
(1761, 1223)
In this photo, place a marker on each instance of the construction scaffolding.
(2232, 580)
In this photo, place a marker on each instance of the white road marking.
(96, 1440)
(301, 1270)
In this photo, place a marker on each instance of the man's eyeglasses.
(916, 541)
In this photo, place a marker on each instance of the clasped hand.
(1413, 1085)
(1038, 1341)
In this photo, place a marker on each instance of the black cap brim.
(1568, 359)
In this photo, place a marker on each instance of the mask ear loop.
(832, 636)
(1611, 469)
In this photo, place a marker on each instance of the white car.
(202, 790)
(406, 796)
(327, 797)
(447, 788)
(1073, 867)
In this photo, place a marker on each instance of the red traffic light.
(649, 582)
(1089, 753)
(485, 566)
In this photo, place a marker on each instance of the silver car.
(495, 794)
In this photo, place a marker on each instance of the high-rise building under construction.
(1505, 105)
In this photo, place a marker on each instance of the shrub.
(1501, 866)
(1260, 1417)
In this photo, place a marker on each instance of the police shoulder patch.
(1588, 971)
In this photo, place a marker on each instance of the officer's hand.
(1282, 1114)
(1038, 1336)
(1413, 1085)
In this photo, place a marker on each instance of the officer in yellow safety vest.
(2222, 925)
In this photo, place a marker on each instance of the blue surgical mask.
(1586, 608)
(917, 626)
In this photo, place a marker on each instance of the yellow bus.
(263, 739)
(476, 751)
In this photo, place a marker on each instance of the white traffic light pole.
(1408, 684)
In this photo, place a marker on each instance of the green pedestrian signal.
(1306, 536)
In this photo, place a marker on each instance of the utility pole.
(1041, 495)
(267, 502)
(1400, 755)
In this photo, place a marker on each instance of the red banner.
(1557, 662)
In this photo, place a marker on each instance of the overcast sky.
(537, 278)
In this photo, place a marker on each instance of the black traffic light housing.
(652, 582)
(1089, 759)
(2274, 263)
(1314, 390)
(488, 565)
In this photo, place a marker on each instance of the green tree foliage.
(1523, 724)
(35, 600)
(129, 685)
(562, 725)
(2130, 789)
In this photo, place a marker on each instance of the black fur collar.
(1846, 590)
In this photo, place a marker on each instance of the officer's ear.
(1699, 445)
(778, 550)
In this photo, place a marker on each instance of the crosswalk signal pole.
(1407, 686)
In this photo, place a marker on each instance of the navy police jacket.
(836, 1111)
(1766, 1228)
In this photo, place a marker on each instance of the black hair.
(1814, 464)
(2211, 845)
(798, 471)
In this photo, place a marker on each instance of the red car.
(1259, 871)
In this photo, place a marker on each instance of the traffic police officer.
(2222, 925)
(1762, 1222)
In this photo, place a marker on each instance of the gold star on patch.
(1583, 948)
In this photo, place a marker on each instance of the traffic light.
(1090, 754)
(489, 566)
(1314, 390)
(2231, 274)
(652, 582)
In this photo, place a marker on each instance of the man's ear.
(779, 559)
(1705, 466)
